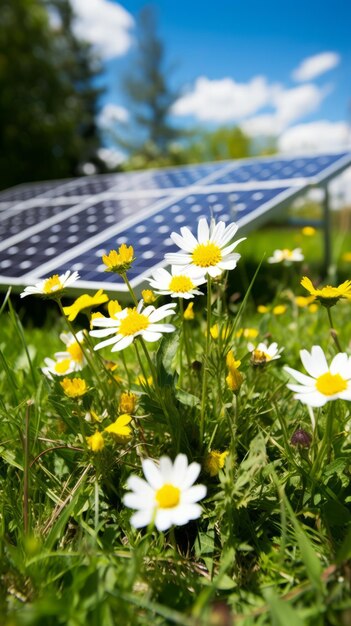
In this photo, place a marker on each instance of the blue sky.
(269, 67)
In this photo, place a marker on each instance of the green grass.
(273, 542)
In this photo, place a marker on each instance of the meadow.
(181, 461)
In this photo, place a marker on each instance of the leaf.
(187, 398)
(283, 614)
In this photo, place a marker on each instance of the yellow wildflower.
(84, 302)
(313, 308)
(189, 312)
(119, 261)
(262, 309)
(346, 257)
(279, 309)
(148, 296)
(308, 231)
(141, 380)
(120, 429)
(248, 333)
(234, 379)
(214, 461)
(74, 387)
(95, 316)
(113, 307)
(304, 301)
(96, 442)
(214, 330)
(127, 402)
(328, 296)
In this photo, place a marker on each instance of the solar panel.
(55, 226)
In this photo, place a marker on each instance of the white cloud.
(315, 136)
(290, 105)
(112, 114)
(111, 156)
(223, 100)
(104, 24)
(315, 66)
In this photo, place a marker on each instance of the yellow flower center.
(133, 323)
(258, 356)
(167, 496)
(181, 284)
(52, 284)
(61, 367)
(329, 384)
(76, 352)
(207, 254)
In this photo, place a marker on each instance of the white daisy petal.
(141, 518)
(167, 496)
(122, 343)
(203, 233)
(152, 474)
(315, 362)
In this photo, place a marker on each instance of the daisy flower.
(211, 253)
(324, 383)
(167, 496)
(50, 287)
(286, 256)
(120, 260)
(263, 353)
(176, 283)
(328, 295)
(70, 360)
(130, 323)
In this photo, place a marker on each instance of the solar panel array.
(55, 226)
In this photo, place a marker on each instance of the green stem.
(333, 332)
(181, 342)
(130, 289)
(205, 363)
(26, 464)
(326, 444)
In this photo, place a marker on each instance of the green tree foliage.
(149, 135)
(222, 143)
(47, 103)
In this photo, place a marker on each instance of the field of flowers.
(182, 459)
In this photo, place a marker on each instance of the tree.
(47, 104)
(220, 144)
(149, 134)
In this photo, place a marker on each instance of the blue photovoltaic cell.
(151, 237)
(28, 254)
(275, 169)
(18, 221)
(28, 191)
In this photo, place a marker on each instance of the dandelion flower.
(51, 287)
(279, 309)
(168, 495)
(234, 378)
(133, 322)
(323, 383)
(328, 296)
(74, 387)
(148, 296)
(84, 302)
(211, 253)
(286, 256)
(263, 354)
(215, 461)
(96, 442)
(120, 429)
(177, 283)
(119, 261)
(127, 402)
(308, 231)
